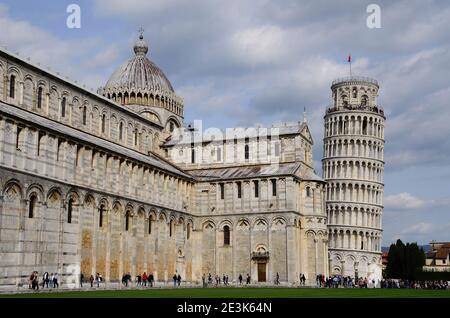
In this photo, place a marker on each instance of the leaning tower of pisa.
(353, 165)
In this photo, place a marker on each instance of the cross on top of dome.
(140, 47)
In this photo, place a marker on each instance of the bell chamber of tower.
(353, 167)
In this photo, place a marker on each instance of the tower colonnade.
(353, 167)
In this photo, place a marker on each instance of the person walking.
(55, 281)
(30, 280)
(278, 279)
(81, 280)
(91, 279)
(240, 279)
(179, 280)
(45, 280)
(175, 280)
(144, 279)
(204, 280)
(151, 278)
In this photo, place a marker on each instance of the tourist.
(277, 281)
(144, 279)
(204, 280)
(30, 280)
(55, 281)
(179, 280)
(35, 281)
(138, 280)
(240, 279)
(175, 280)
(45, 280)
(81, 280)
(248, 279)
(151, 278)
(91, 279)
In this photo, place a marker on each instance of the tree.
(405, 261)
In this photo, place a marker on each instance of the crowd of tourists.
(217, 280)
(143, 280)
(338, 281)
(427, 284)
(48, 280)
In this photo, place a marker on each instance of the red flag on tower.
(349, 60)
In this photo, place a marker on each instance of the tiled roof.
(253, 171)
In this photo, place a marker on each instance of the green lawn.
(242, 293)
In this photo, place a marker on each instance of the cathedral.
(115, 182)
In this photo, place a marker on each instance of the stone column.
(290, 255)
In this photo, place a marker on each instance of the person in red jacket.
(144, 279)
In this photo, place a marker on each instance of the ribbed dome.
(139, 73)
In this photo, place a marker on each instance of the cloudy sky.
(257, 62)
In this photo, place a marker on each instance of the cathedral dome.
(139, 73)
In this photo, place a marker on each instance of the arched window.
(39, 98)
(103, 123)
(364, 126)
(69, 210)
(188, 231)
(226, 235)
(150, 225)
(222, 191)
(63, 107)
(100, 216)
(12, 86)
(127, 221)
(355, 92)
(344, 100)
(120, 131)
(274, 187)
(172, 126)
(170, 228)
(84, 115)
(136, 137)
(192, 154)
(364, 100)
(308, 192)
(32, 206)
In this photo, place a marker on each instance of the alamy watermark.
(74, 18)
(373, 21)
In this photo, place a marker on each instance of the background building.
(438, 258)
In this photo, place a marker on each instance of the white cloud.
(403, 201)
(418, 229)
(259, 45)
